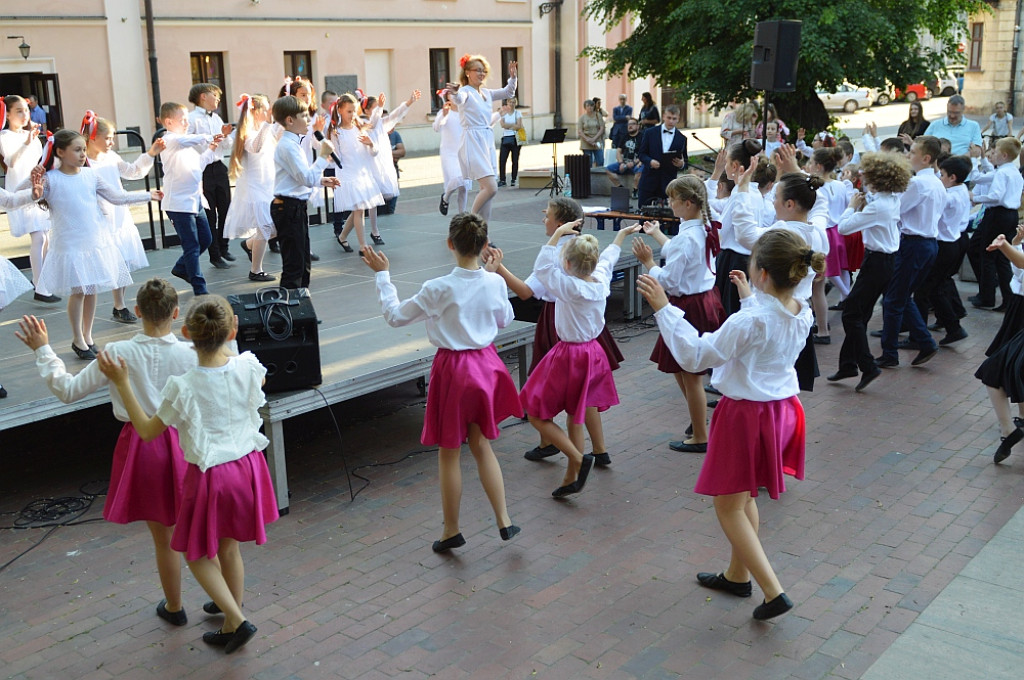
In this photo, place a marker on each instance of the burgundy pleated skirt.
(703, 311)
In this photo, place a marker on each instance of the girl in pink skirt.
(227, 494)
(757, 431)
(560, 210)
(690, 283)
(574, 376)
(470, 389)
(145, 476)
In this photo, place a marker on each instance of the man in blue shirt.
(36, 113)
(961, 132)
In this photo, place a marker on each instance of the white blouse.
(579, 312)
(462, 310)
(215, 411)
(956, 215)
(750, 200)
(151, 362)
(878, 221)
(184, 157)
(753, 353)
(686, 269)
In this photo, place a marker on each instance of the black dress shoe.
(711, 404)
(181, 274)
(84, 354)
(274, 245)
(1006, 443)
(683, 447)
(231, 641)
(212, 608)
(769, 610)
(345, 246)
(443, 207)
(3, 392)
(720, 582)
(1000, 308)
(260, 276)
(602, 459)
(541, 452)
(711, 390)
(219, 263)
(177, 618)
(866, 379)
(935, 326)
(581, 479)
(822, 339)
(887, 362)
(925, 355)
(508, 532)
(456, 541)
(954, 336)
(907, 344)
(983, 305)
(875, 334)
(227, 256)
(45, 298)
(313, 257)
(377, 239)
(842, 375)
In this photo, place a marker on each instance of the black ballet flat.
(83, 354)
(3, 392)
(508, 532)
(720, 582)
(377, 239)
(456, 541)
(177, 618)
(345, 246)
(581, 479)
(231, 641)
(769, 610)
(1007, 443)
(248, 250)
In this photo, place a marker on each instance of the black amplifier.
(279, 326)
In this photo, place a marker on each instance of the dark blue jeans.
(194, 231)
(914, 261)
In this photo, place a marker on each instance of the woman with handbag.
(513, 135)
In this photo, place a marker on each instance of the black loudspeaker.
(776, 54)
(279, 326)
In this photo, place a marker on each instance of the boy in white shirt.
(204, 120)
(294, 180)
(1001, 198)
(938, 290)
(183, 160)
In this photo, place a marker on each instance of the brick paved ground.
(900, 494)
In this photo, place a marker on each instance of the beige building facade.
(994, 70)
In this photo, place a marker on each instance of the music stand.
(554, 137)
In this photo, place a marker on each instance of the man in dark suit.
(654, 143)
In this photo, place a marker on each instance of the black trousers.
(217, 190)
(937, 291)
(292, 224)
(868, 287)
(992, 268)
(726, 262)
(508, 146)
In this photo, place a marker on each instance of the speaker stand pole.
(764, 122)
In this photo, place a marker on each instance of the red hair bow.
(463, 60)
(712, 244)
(47, 161)
(89, 125)
(244, 99)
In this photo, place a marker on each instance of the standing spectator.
(621, 115)
(739, 124)
(37, 114)
(960, 132)
(591, 134)
(1001, 123)
(648, 112)
(511, 123)
(914, 126)
(655, 145)
(627, 160)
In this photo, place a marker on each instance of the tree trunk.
(801, 110)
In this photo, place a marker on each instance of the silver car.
(847, 98)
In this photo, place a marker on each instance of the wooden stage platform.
(360, 353)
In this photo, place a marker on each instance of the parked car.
(944, 85)
(847, 98)
(913, 92)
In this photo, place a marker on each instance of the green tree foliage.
(703, 47)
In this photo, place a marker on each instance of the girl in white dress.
(448, 123)
(20, 151)
(477, 155)
(356, 149)
(12, 282)
(252, 168)
(99, 135)
(384, 164)
(83, 259)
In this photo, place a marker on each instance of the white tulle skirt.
(12, 282)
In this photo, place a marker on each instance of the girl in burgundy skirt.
(146, 477)
(227, 496)
(470, 390)
(560, 211)
(574, 376)
(757, 431)
(690, 283)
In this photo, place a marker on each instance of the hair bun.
(815, 182)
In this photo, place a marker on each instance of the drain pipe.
(154, 76)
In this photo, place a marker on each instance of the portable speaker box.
(280, 327)
(776, 56)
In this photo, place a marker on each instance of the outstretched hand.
(33, 332)
(739, 279)
(743, 181)
(414, 97)
(513, 69)
(787, 160)
(643, 252)
(377, 261)
(997, 243)
(652, 291)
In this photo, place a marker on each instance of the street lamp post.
(24, 47)
(556, 7)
